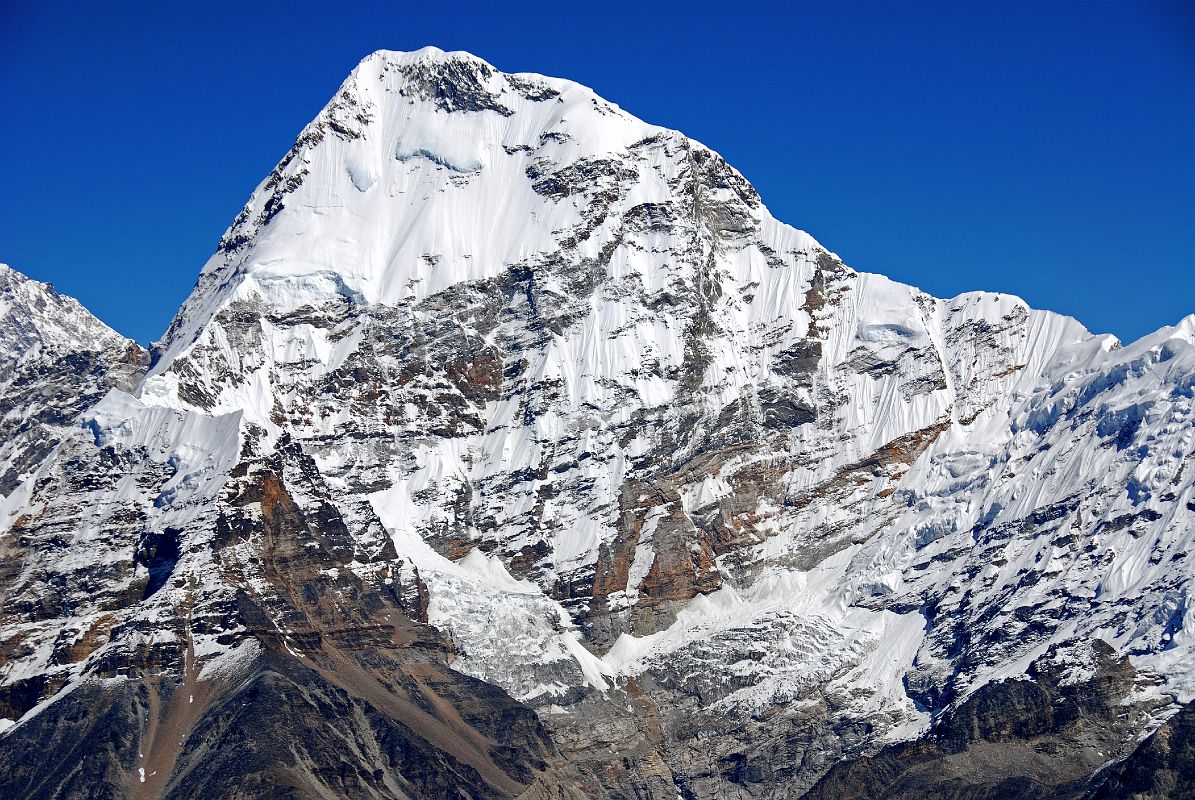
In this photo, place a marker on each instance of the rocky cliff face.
(507, 446)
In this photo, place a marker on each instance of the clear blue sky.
(1044, 149)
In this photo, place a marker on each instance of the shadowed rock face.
(1026, 740)
(283, 730)
(1163, 766)
(508, 447)
(338, 689)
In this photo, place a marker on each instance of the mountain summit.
(508, 447)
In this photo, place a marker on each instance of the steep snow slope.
(661, 467)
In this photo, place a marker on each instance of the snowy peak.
(452, 82)
(430, 56)
(428, 169)
(56, 359)
(41, 329)
(455, 81)
(34, 319)
(488, 364)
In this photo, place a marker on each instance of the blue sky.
(1044, 149)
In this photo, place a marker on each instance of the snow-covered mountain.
(507, 446)
(56, 360)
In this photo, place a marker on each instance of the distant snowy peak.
(35, 318)
(42, 331)
(56, 359)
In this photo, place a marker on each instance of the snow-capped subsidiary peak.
(35, 316)
(492, 379)
(56, 359)
(42, 331)
(1183, 330)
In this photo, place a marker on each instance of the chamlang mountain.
(507, 447)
